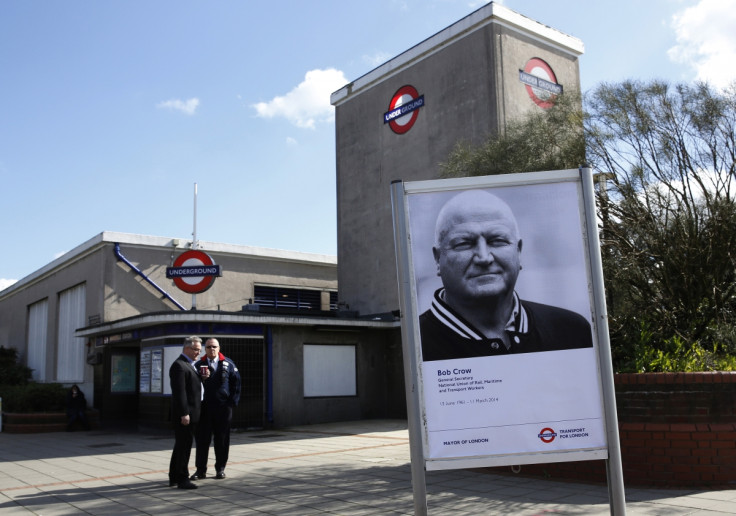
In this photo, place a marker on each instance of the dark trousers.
(179, 465)
(214, 421)
(77, 415)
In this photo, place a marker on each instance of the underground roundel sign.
(540, 82)
(403, 110)
(547, 435)
(194, 271)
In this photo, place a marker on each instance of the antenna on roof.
(195, 243)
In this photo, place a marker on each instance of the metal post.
(407, 342)
(614, 470)
(195, 244)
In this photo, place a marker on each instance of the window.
(38, 320)
(281, 297)
(329, 370)
(70, 358)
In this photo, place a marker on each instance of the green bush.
(21, 395)
(34, 397)
(11, 371)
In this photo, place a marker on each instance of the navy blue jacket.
(222, 388)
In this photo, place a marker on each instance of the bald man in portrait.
(478, 312)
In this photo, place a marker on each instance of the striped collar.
(517, 323)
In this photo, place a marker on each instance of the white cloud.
(291, 142)
(706, 40)
(188, 107)
(5, 283)
(309, 102)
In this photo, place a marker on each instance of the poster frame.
(411, 336)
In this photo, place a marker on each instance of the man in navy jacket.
(221, 395)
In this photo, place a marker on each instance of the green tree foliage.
(669, 228)
(543, 140)
(668, 210)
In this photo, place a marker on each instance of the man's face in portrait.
(477, 249)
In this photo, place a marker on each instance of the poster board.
(123, 373)
(155, 363)
(543, 404)
(145, 371)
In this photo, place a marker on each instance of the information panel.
(157, 370)
(503, 318)
(145, 371)
(122, 376)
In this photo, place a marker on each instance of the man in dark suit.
(186, 398)
(478, 312)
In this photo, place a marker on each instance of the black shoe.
(220, 475)
(186, 485)
(198, 475)
(172, 483)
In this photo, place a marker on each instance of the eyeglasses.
(212, 347)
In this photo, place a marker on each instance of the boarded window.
(329, 370)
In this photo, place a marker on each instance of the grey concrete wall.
(380, 391)
(115, 292)
(514, 50)
(471, 89)
(127, 294)
(14, 310)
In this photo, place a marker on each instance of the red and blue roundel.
(547, 435)
(403, 110)
(194, 271)
(541, 82)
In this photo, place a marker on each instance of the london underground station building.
(316, 338)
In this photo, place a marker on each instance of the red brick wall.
(676, 430)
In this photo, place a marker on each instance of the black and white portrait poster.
(504, 319)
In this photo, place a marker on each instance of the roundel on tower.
(403, 109)
(540, 82)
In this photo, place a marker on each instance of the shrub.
(11, 371)
(33, 397)
(679, 356)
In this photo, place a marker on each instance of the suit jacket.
(550, 328)
(186, 390)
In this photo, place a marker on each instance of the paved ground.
(357, 468)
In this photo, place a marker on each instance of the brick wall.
(676, 430)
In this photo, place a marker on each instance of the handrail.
(122, 258)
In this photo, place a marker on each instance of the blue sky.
(111, 111)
